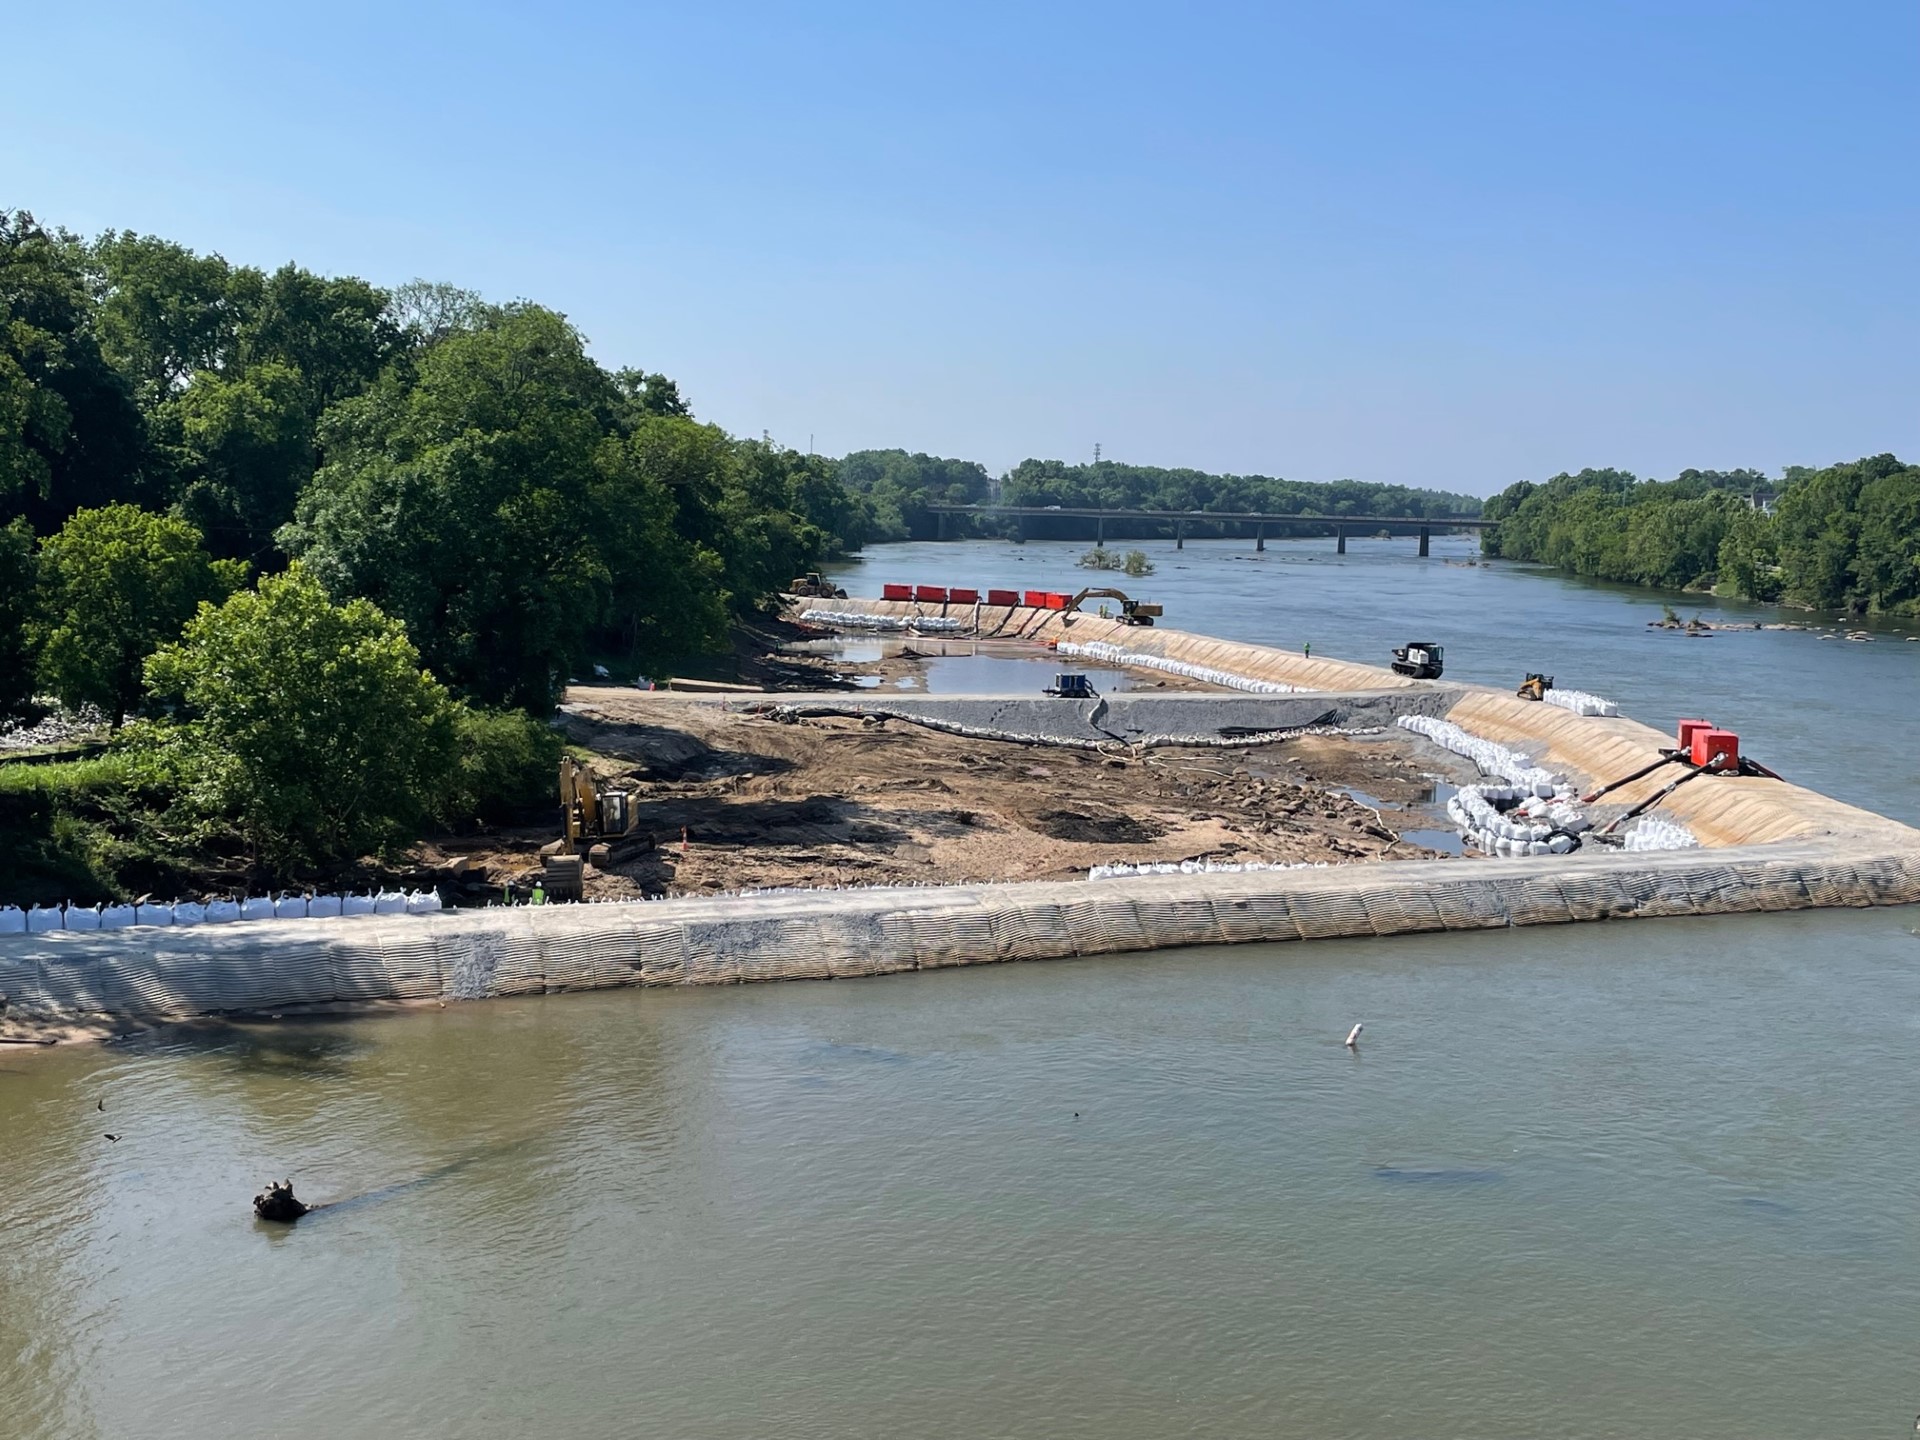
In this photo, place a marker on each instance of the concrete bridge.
(1423, 526)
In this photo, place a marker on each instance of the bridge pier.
(943, 525)
(1099, 532)
(1339, 539)
(1423, 542)
(1179, 534)
(1259, 538)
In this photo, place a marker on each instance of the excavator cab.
(1419, 659)
(1535, 687)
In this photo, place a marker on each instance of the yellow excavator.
(1535, 687)
(596, 815)
(1132, 612)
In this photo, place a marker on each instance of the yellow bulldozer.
(812, 586)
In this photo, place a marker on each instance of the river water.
(1645, 1179)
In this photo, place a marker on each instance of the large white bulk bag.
(13, 920)
(290, 907)
(81, 917)
(189, 912)
(116, 917)
(257, 907)
(390, 902)
(219, 912)
(423, 902)
(45, 917)
(152, 915)
(323, 907)
(357, 905)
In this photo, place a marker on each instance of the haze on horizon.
(1451, 246)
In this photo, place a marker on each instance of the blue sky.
(1452, 244)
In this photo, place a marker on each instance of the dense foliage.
(1111, 485)
(462, 482)
(308, 725)
(1845, 537)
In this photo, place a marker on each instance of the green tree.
(242, 449)
(18, 573)
(117, 583)
(70, 434)
(311, 725)
(465, 505)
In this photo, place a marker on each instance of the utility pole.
(1096, 452)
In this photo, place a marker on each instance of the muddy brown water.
(1643, 1179)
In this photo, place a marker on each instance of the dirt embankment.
(839, 801)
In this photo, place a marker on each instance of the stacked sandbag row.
(43, 918)
(861, 620)
(1492, 759)
(1109, 653)
(1507, 820)
(1657, 832)
(1121, 871)
(1580, 702)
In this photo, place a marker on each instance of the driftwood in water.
(277, 1203)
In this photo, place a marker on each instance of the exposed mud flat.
(739, 800)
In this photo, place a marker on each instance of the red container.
(1003, 597)
(1690, 728)
(1716, 749)
(896, 592)
(931, 594)
(963, 597)
(1037, 599)
(1056, 601)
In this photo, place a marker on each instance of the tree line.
(1844, 537)
(323, 554)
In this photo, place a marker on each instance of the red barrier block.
(896, 592)
(1003, 597)
(1037, 599)
(931, 594)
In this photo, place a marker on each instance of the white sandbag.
(189, 912)
(290, 907)
(153, 915)
(116, 917)
(220, 912)
(390, 902)
(13, 920)
(256, 907)
(1580, 702)
(81, 917)
(45, 917)
(356, 905)
(323, 907)
(423, 902)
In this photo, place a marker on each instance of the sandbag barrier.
(1657, 832)
(1506, 820)
(1493, 759)
(43, 918)
(700, 941)
(1549, 823)
(1108, 653)
(1124, 871)
(861, 620)
(1580, 702)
